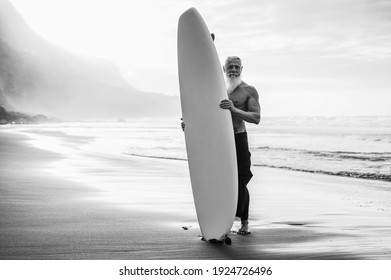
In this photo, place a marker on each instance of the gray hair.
(233, 58)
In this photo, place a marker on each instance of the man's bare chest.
(239, 98)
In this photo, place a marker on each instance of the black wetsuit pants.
(244, 174)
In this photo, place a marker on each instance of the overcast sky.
(305, 57)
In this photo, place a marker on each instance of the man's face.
(233, 69)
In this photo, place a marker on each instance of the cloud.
(360, 29)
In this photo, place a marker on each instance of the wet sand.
(70, 204)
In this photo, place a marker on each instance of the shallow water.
(344, 146)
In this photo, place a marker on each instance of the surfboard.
(209, 134)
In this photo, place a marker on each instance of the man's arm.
(253, 114)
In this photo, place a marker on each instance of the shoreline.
(369, 176)
(36, 131)
(83, 206)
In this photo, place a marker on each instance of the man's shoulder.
(248, 88)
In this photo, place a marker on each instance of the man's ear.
(224, 68)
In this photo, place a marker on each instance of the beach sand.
(70, 204)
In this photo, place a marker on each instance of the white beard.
(233, 83)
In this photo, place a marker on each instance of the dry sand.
(76, 205)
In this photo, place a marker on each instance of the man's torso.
(239, 98)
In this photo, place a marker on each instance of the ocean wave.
(155, 157)
(343, 155)
(371, 176)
